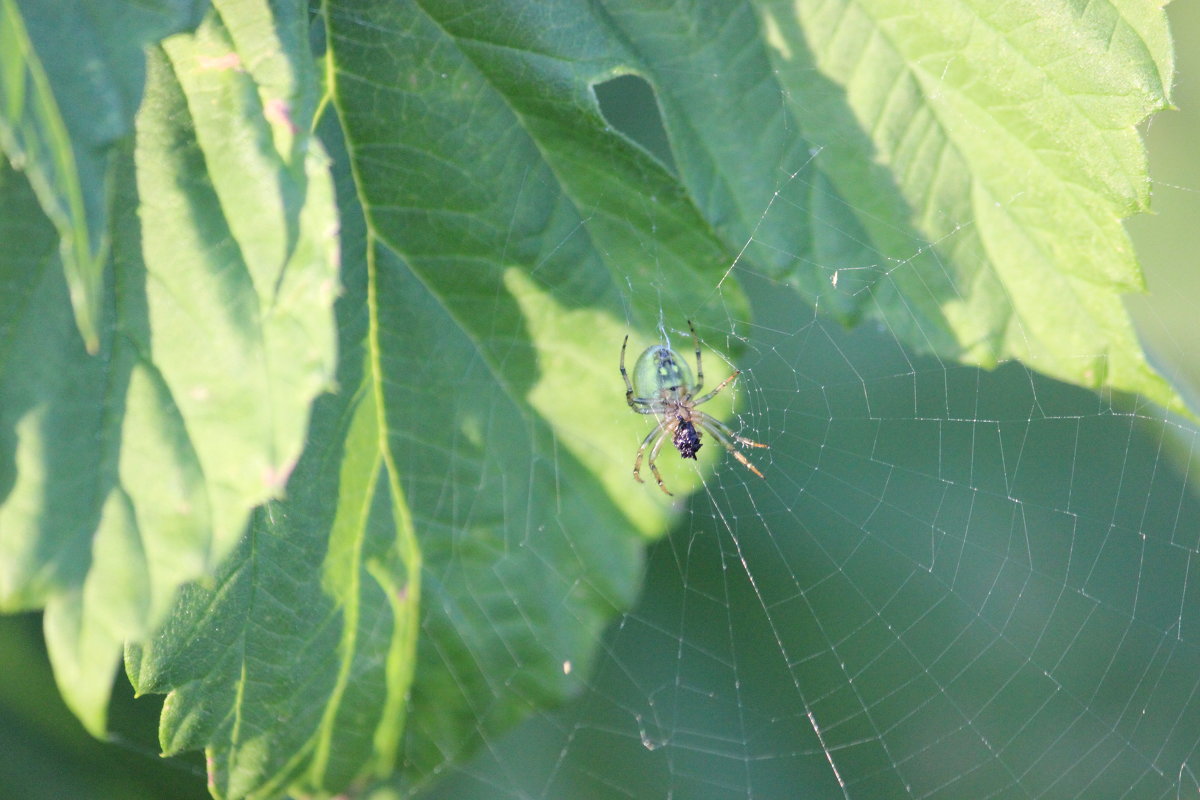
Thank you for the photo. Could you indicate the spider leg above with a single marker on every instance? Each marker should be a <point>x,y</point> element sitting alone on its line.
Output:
<point>658,431</point>
<point>715,425</point>
<point>720,386</point>
<point>644,405</point>
<point>723,434</point>
<point>699,365</point>
<point>654,455</point>
<point>629,398</point>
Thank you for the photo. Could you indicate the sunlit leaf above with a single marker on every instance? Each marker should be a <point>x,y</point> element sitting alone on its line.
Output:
<point>957,171</point>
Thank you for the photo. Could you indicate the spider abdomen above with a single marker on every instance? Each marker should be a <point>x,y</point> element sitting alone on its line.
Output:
<point>661,373</point>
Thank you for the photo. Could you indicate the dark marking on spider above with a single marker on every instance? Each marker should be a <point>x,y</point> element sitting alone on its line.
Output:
<point>687,438</point>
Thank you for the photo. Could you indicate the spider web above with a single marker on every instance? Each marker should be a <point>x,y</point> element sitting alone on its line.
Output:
<point>952,583</point>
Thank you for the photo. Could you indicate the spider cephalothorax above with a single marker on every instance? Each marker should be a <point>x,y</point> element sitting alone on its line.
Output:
<point>662,385</point>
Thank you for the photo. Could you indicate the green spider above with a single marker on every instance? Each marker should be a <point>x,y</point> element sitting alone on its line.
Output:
<point>671,397</point>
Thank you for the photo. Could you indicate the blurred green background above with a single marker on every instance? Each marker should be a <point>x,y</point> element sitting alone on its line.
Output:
<point>44,751</point>
<point>703,690</point>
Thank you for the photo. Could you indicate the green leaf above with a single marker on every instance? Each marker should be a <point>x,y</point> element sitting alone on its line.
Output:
<point>294,667</point>
<point>131,474</point>
<point>47,411</point>
<point>503,249</point>
<point>430,489</point>
<point>71,79</point>
<point>958,174</point>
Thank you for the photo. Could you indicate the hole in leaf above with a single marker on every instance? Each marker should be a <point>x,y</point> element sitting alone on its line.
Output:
<point>629,105</point>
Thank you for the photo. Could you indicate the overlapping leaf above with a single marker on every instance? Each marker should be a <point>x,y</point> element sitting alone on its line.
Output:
<point>131,473</point>
<point>69,86</point>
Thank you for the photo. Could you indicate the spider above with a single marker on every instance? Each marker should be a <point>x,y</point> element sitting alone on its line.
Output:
<point>662,385</point>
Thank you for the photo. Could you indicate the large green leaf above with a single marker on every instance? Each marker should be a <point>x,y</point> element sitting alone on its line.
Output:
<point>505,236</point>
<point>127,475</point>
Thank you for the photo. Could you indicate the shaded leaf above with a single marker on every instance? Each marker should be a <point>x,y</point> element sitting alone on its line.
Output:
<point>502,251</point>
